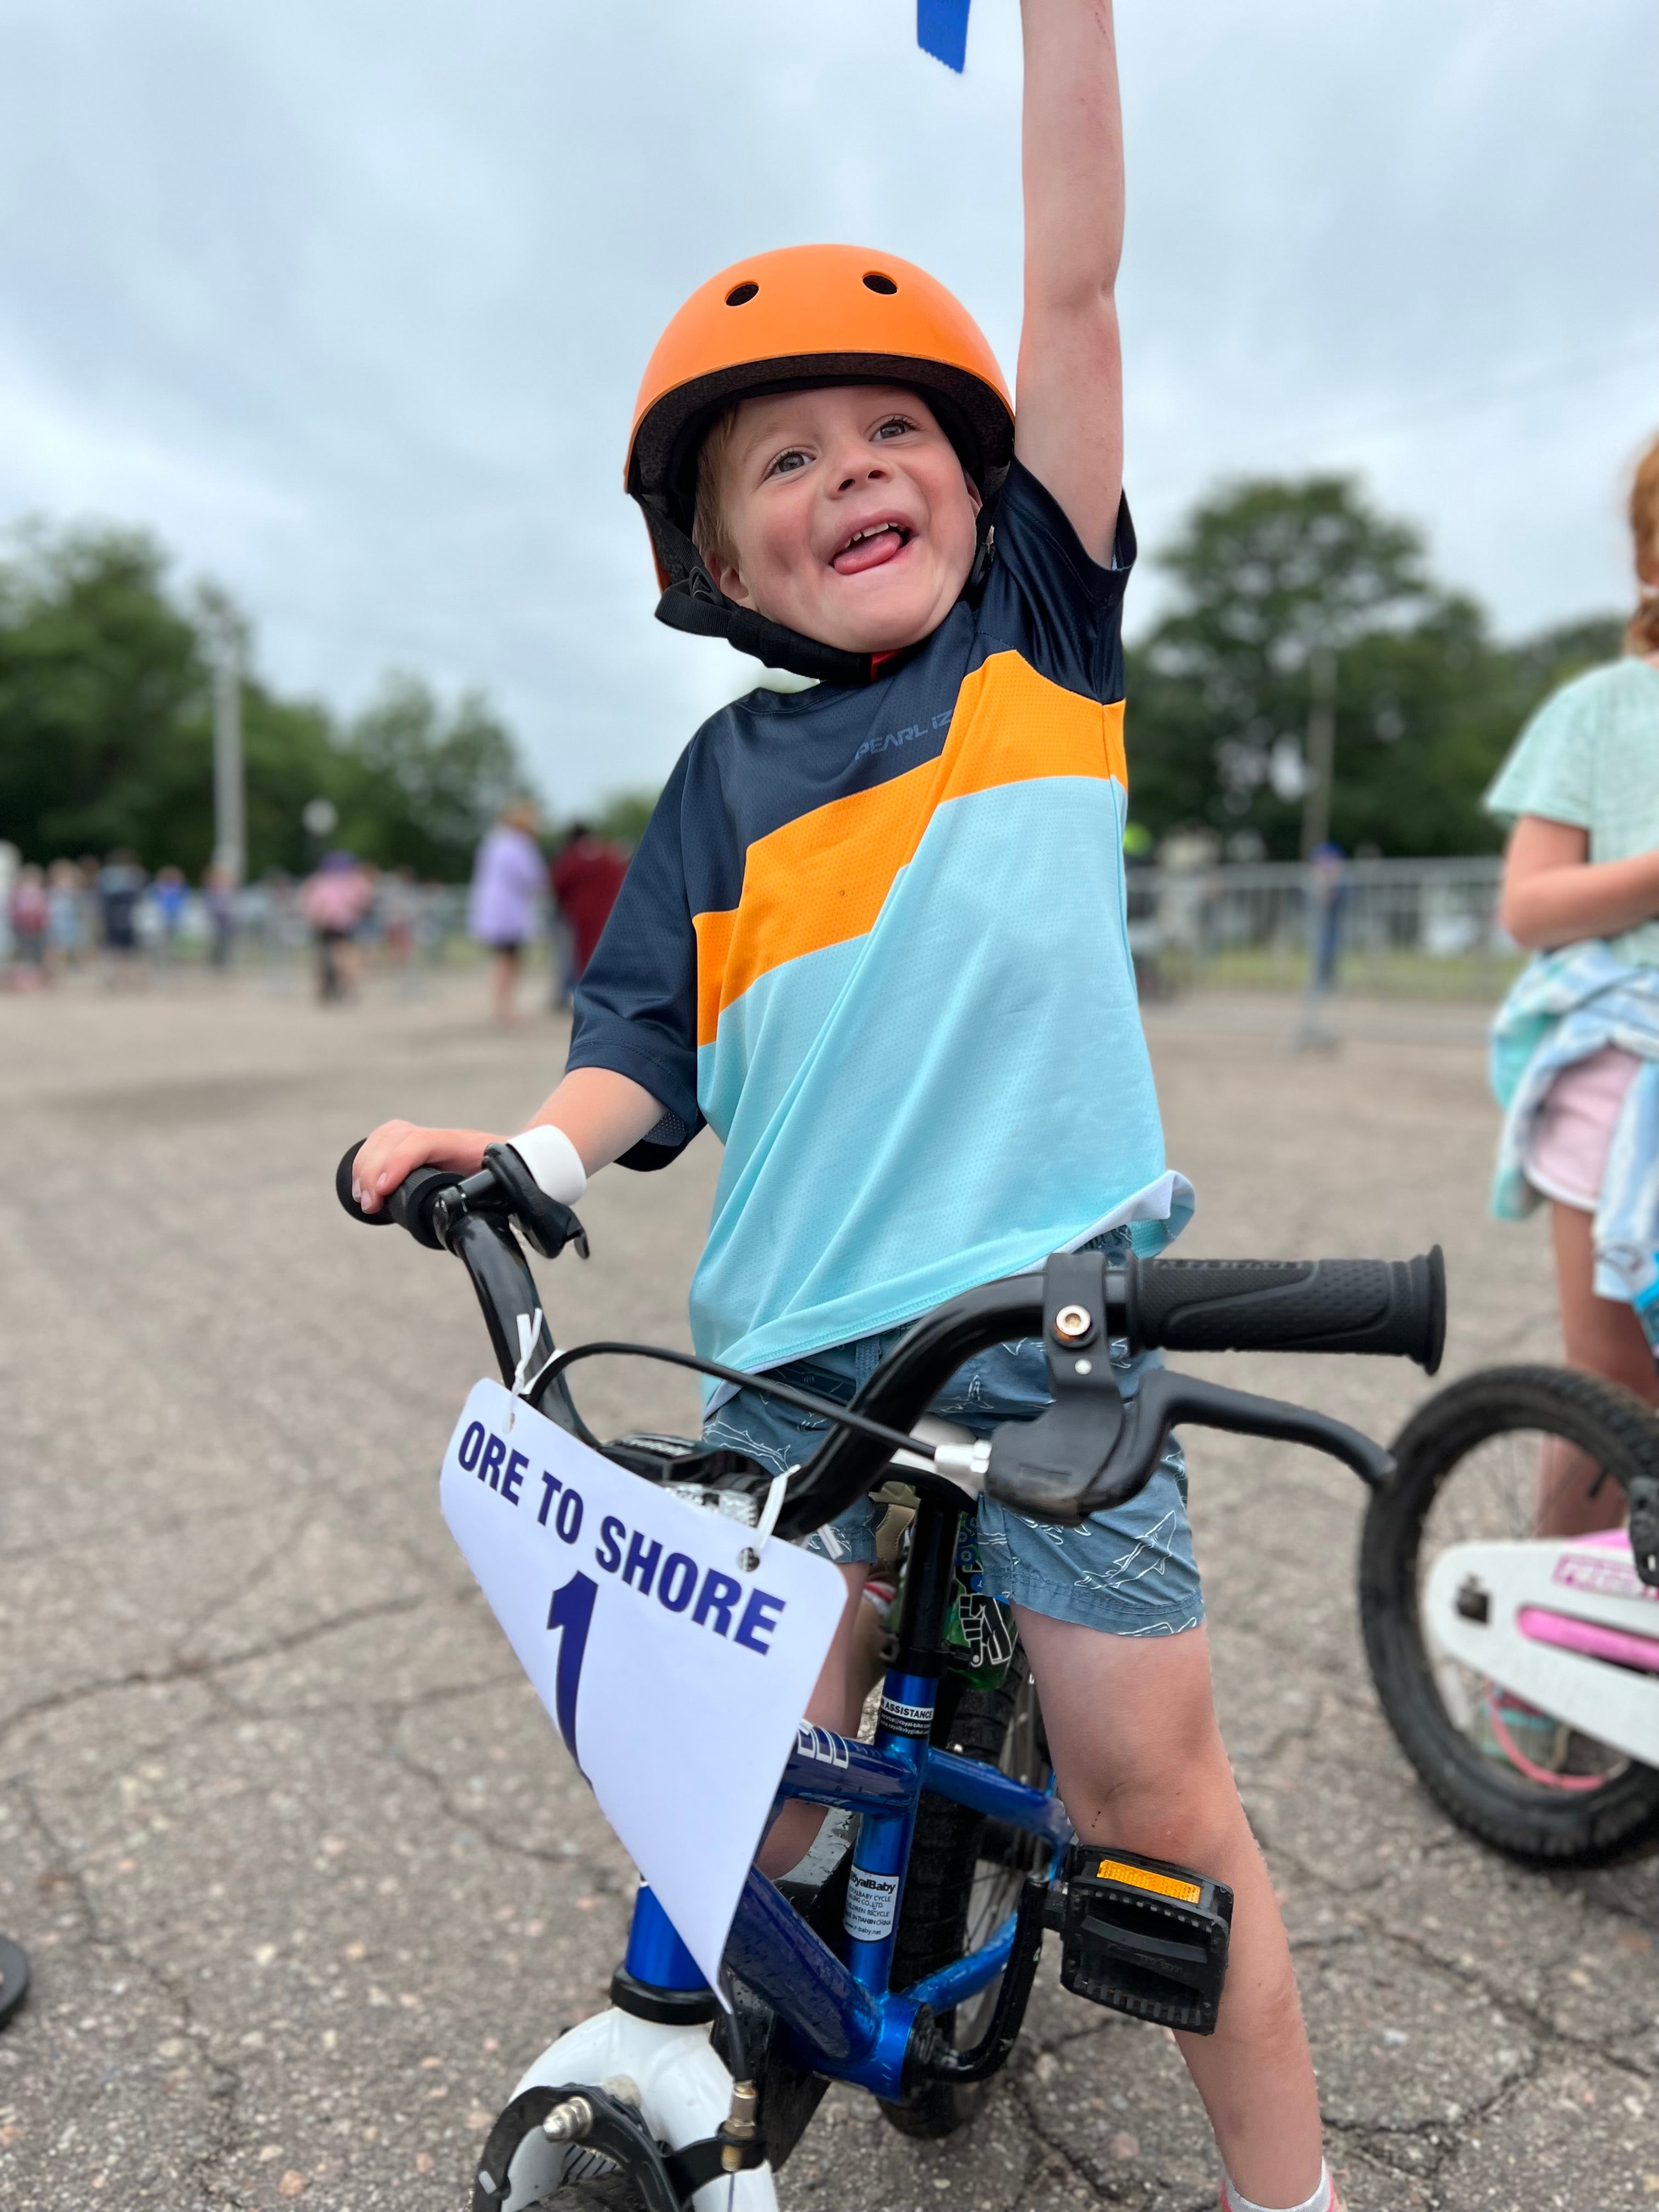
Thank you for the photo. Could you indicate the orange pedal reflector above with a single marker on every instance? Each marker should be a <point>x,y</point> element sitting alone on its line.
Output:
<point>1138,1877</point>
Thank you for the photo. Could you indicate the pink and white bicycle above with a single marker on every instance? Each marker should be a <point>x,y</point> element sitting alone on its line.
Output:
<point>1520,1670</point>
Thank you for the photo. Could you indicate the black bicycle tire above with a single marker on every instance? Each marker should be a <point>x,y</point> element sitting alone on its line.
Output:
<point>605,2192</point>
<point>609,2193</point>
<point>934,1912</point>
<point>13,1978</point>
<point>601,2192</point>
<point>1621,1430</point>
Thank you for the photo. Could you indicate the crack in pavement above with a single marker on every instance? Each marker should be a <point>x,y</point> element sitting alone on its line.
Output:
<point>203,1669</point>
<point>600,1876</point>
<point>223,2085</point>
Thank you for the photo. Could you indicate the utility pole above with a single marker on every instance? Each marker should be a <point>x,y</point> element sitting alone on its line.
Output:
<point>1312,1032</point>
<point>1322,749</point>
<point>229,795</point>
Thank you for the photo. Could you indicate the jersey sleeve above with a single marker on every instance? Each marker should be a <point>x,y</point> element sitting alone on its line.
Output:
<point>1047,600</point>
<point>1551,770</point>
<point>636,1002</point>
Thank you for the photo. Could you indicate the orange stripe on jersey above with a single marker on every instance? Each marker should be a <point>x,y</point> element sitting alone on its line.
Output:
<point>714,951</point>
<point>821,878</point>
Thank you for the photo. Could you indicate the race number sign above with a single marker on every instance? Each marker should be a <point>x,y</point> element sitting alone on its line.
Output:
<point>676,1671</point>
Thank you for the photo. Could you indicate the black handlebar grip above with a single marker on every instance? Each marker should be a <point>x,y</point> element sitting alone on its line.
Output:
<point>1396,1306</point>
<point>343,1189</point>
<point>408,1208</point>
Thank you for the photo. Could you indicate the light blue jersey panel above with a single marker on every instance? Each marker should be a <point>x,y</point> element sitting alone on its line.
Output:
<point>939,1102</point>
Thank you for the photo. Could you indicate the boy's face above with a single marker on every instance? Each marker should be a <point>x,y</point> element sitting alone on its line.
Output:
<point>848,515</point>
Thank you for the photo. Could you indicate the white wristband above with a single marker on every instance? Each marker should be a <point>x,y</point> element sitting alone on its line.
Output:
<point>553,1161</point>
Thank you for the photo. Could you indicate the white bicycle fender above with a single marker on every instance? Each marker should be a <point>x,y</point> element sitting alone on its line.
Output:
<point>684,2094</point>
<point>1617,1705</point>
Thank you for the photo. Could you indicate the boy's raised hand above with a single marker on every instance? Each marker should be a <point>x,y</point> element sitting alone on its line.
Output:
<point>1069,413</point>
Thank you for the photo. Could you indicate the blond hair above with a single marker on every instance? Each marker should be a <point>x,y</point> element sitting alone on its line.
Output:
<point>708,530</point>
<point>1641,634</point>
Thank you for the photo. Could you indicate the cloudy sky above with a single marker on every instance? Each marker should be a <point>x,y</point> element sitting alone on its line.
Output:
<point>348,300</point>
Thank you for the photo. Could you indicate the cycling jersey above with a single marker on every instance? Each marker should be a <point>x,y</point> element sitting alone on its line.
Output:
<point>875,937</point>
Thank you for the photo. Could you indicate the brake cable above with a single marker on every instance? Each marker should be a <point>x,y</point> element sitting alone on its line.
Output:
<point>803,1401</point>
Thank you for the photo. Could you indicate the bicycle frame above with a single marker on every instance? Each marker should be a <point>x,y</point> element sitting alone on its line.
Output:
<point>666,2103</point>
<point>844,2019</point>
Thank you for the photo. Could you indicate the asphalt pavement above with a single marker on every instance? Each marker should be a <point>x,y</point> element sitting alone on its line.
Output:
<point>304,1872</point>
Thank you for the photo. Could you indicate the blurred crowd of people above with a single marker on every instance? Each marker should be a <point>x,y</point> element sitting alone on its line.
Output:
<point>113,916</point>
<point>75,912</point>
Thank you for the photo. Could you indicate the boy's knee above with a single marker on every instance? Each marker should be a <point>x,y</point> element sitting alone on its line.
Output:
<point>1170,1797</point>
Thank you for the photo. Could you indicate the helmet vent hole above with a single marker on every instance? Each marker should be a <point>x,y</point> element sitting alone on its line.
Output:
<point>741,294</point>
<point>877,280</point>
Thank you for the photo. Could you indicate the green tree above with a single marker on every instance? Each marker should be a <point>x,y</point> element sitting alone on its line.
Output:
<point>106,728</point>
<point>102,693</point>
<point>419,786</point>
<point>1555,656</point>
<point>1267,574</point>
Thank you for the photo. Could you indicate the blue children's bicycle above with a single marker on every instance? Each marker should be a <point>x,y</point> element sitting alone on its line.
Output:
<point>900,1954</point>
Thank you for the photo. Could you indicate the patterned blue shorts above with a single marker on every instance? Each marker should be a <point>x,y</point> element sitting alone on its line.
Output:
<point>1130,1572</point>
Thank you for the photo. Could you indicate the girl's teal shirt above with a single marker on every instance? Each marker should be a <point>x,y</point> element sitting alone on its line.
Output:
<point>1589,757</point>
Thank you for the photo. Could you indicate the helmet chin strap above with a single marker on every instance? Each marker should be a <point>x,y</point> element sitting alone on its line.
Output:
<point>695,603</point>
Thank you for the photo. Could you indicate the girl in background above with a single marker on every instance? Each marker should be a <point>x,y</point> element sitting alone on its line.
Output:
<point>1576,1048</point>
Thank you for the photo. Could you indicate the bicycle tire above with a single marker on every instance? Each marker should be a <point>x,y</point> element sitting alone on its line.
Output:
<point>1621,1433</point>
<point>602,2192</point>
<point>597,2185</point>
<point>608,2192</point>
<point>13,1978</point>
<point>944,1853</point>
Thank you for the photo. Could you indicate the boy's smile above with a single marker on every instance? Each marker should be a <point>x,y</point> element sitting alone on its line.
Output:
<point>847,515</point>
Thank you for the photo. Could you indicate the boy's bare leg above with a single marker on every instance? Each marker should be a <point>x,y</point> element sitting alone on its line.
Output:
<point>835,1703</point>
<point>1140,1763</point>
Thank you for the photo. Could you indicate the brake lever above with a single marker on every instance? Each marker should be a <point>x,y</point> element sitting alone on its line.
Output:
<point>1093,1450</point>
<point>1046,1467</point>
<point>547,1225</point>
<point>1121,1452</point>
<point>1165,1399</point>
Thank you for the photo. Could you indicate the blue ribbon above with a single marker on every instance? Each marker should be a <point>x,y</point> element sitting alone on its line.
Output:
<point>942,31</point>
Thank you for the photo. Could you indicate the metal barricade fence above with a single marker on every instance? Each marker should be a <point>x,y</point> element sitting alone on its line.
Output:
<point>1404,928</point>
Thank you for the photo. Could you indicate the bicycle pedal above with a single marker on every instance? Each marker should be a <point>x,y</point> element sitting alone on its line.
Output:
<point>1143,1937</point>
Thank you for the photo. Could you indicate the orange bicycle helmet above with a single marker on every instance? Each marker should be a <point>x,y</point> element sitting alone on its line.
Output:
<point>807,314</point>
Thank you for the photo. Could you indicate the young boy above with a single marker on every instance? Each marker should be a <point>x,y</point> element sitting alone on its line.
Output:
<point>874,937</point>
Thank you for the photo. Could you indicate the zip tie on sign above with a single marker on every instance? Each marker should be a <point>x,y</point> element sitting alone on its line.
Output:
<point>772,1507</point>
<point>750,1556</point>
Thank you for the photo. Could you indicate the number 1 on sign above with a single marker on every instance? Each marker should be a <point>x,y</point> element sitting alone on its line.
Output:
<point>572,1614</point>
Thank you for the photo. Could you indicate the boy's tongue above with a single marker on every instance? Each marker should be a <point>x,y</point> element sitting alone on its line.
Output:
<point>868,553</point>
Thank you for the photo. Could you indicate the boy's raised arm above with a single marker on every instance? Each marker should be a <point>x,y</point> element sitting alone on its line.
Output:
<point>1069,402</point>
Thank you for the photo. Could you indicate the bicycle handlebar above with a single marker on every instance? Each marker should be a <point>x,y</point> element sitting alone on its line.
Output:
<point>1388,1307</point>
